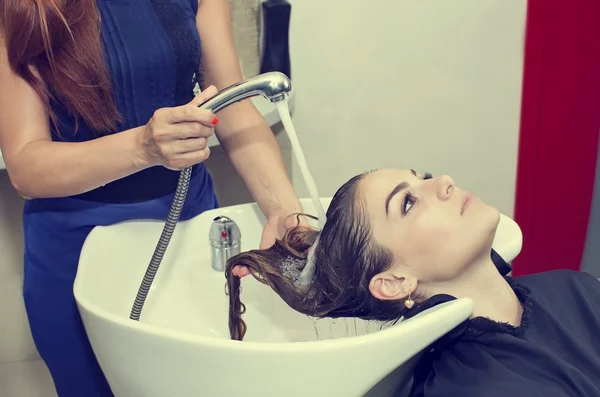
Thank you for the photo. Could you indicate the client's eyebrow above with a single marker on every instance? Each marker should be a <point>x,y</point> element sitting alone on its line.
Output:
<point>401,186</point>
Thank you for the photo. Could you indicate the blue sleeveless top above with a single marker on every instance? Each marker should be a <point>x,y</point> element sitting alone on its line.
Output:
<point>152,50</point>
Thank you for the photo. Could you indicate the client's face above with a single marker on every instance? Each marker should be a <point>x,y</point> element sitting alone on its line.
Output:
<point>432,228</point>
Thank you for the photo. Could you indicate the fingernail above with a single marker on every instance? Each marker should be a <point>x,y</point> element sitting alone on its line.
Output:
<point>215,120</point>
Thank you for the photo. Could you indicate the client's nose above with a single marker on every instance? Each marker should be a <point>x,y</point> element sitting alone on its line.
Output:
<point>445,187</point>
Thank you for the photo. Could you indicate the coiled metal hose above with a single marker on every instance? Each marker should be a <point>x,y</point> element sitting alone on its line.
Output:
<point>165,237</point>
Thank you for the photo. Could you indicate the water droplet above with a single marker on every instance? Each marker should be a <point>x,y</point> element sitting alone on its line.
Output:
<point>315,326</point>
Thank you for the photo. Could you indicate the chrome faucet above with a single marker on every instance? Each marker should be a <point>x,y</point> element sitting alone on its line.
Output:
<point>274,86</point>
<point>225,241</point>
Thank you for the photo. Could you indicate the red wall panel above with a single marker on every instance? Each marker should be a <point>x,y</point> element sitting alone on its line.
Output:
<point>560,124</point>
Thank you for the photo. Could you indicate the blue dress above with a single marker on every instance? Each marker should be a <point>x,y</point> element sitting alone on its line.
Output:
<point>152,50</point>
<point>554,352</point>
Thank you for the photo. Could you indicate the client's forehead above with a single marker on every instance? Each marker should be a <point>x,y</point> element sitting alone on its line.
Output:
<point>377,185</point>
<point>387,176</point>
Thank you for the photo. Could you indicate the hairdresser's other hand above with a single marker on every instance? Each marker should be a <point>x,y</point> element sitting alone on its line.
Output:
<point>277,225</point>
<point>275,228</point>
<point>176,138</point>
<point>240,271</point>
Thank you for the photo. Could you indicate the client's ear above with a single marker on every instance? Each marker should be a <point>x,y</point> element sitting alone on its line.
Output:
<point>387,286</point>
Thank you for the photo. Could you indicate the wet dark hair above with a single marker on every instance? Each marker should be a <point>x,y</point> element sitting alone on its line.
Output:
<point>346,260</point>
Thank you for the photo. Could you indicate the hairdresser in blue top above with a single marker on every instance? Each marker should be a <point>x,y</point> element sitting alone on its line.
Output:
<point>97,116</point>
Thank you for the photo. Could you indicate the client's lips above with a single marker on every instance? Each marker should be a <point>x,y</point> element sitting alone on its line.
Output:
<point>466,202</point>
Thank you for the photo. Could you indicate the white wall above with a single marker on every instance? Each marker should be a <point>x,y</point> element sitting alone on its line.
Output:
<point>433,85</point>
<point>15,340</point>
<point>22,372</point>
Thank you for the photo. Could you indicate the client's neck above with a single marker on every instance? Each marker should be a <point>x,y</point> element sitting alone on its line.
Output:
<point>492,296</point>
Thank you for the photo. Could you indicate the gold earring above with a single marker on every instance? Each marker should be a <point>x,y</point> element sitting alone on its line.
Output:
<point>409,303</point>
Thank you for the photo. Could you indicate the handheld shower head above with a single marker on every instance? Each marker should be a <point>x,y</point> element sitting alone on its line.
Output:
<point>274,86</point>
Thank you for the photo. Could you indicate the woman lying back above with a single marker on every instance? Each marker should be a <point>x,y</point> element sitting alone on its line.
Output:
<point>396,243</point>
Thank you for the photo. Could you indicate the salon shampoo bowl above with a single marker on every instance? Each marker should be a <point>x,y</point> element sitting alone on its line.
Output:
<point>181,346</point>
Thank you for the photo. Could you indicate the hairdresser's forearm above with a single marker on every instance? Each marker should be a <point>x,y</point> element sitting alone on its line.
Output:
<point>260,165</point>
<point>256,156</point>
<point>57,169</point>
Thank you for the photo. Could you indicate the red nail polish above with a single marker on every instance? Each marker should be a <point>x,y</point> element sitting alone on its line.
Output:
<point>215,120</point>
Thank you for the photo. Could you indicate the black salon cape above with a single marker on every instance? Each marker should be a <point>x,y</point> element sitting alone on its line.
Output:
<point>555,352</point>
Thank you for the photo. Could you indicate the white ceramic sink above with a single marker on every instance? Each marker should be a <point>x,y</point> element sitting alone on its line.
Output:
<point>181,345</point>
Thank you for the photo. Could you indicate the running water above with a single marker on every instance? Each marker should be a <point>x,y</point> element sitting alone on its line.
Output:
<point>284,114</point>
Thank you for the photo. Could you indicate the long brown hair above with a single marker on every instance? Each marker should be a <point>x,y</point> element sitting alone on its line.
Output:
<point>346,259</point>
<point>54,45</point>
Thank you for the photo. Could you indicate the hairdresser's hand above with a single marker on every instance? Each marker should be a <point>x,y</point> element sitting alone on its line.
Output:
<point>275,228</point>
<point>278,224</point>
<point>176,138</point>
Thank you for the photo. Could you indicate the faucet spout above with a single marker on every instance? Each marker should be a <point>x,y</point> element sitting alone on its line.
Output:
<point>274,86</point>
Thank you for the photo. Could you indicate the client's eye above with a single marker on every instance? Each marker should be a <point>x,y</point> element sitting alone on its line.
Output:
<point>408,202</point>
<point>427,175</point>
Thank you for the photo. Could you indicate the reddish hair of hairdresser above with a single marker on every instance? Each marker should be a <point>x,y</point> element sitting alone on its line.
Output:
<point>55,46</point>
